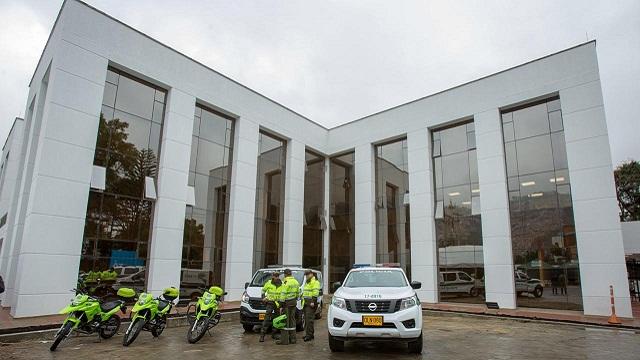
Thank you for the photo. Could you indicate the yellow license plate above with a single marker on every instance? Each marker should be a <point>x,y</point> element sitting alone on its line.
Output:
<point>261,316</point>
<point>372,320</point>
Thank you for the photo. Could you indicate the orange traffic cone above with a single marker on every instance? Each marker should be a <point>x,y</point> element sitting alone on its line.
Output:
<point>613,319</point>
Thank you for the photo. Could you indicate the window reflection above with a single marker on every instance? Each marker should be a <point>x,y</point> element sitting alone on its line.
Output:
<point>205,228</point>
<point>118,220</point>
<point>393,241</point>
<point>267,248</point>
<point>314,218</point>
<point>541,212</point>
<point>341,222</point>
<point>457,215</point>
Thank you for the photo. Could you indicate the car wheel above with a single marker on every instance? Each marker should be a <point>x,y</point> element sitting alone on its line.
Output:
<point>415,347</point>
<point>537,292</point>
<point>474,292</point>
<point>247,327</point>
<point>335,345</point>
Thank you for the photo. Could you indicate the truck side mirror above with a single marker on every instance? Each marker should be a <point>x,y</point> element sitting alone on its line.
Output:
<point>336,285</point>
<point>246,285</point>
<point>416,285</point>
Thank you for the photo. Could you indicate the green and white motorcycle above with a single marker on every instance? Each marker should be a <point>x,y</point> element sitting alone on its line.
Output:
<point>150,314</point>
<point>88,314</point>
<point>204,315</point>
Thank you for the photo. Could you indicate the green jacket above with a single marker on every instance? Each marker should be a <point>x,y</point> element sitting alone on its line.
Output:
<point>271,291</point>
<point>290,289</point>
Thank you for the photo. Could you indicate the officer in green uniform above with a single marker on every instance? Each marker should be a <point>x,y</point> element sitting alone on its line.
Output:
<point>289,295</point>
<point>270,295</point>
<point>310,293</point>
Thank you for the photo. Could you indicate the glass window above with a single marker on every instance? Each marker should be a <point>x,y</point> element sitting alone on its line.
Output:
<point>314,217</point>
<point>393,242</point>
<point>534,154</point>
<point>269,201</point>
<point>531,121</point>
<point>542,226</point>
<point>342,220</point>
<point>118,221</point>
<point>457,216</point>
<point>205,227</point>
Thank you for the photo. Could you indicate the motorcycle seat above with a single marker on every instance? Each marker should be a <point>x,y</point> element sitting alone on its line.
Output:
<point>162,304</point>
<point>108,306</point>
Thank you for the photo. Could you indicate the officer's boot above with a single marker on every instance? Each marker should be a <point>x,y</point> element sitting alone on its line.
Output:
<point>262,337</point>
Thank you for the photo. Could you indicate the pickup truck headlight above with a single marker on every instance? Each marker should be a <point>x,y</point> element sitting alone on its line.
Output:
<point>409,302</point>
<point>245,297</point>
<point>339,302</point>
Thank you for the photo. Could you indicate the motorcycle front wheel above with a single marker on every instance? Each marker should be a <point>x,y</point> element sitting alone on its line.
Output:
<point>133,331</point>
<point>197,330</point>
<point>65,330</point>
<point>110,327</point>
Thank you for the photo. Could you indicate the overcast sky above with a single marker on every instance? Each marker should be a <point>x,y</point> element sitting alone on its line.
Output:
<point>335,61</point>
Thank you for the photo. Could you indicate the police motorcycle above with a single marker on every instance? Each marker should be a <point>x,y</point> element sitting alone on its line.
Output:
<point>204,315</point>
<point>88,314</point>
<point>150,314</point>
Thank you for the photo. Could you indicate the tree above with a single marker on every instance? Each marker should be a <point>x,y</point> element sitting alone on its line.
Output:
<point>627,177</point>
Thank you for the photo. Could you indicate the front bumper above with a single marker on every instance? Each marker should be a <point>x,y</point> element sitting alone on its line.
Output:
<point>394,328</point>
<point>250,316</point>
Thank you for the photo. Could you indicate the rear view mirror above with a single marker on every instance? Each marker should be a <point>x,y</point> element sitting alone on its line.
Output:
<point>336,285</point>
<point>416,285</point>
<point>246,285</point>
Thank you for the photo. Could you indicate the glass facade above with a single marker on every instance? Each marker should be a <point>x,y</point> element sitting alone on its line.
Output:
<point>267,247</point>
<point>542,226</point>
<point>314,217</point>
<point>205,223</point>
<point>457,214</point>
<point>342,216</point>
<point>393,240</point>
<point>118,221</point>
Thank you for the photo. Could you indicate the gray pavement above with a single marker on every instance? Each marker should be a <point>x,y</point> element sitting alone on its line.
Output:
<point>447,336</point>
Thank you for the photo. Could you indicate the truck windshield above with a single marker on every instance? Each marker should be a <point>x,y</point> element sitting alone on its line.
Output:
<point>262,276</point>
<point>375,278</point>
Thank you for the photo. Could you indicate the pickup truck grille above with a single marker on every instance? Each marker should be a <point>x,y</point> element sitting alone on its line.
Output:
<point>367,306</point>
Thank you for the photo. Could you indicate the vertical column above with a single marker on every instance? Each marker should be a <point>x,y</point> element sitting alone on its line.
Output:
<point>326,232</point>
<point>365,220</point>
<point>595,208</point>
<point>424,247</point>
<point>165,255</point>
<point>55,186</point>
<point>242,208</point>
<point>293,203</point>
<point>494,207</point>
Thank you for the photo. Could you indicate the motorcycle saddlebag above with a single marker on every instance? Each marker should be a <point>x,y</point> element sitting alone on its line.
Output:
<point>171,293</point>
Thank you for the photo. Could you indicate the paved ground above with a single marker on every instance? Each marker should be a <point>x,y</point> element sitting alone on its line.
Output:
<point>447,336</point>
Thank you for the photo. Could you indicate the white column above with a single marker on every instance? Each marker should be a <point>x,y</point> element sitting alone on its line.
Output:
<point>239,262</point>
<point>424,247</point>
<point>293,204</point>
<point>55,185</point>
<point>494,207</point>
<point>365,220</point>
<point>165,255</point>
<point>326,232</point>
<point>595,208</point>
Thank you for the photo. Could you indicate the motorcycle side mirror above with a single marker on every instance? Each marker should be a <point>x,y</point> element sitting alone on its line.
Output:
<point>336,285</point>
<point>416,285</point>
<point>246,285</point>
<point>225,293</point>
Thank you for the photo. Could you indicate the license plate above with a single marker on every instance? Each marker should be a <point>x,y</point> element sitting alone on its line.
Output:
<point>261,316</point>
<point>372,320</point>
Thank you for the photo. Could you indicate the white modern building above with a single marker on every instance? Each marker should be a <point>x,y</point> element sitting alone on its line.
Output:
<point>137,158</point>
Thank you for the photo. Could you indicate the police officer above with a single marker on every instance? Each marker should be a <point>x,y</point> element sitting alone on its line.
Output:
<point>289,295</point>
<point>310,293</point>
<point>270,295</point>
